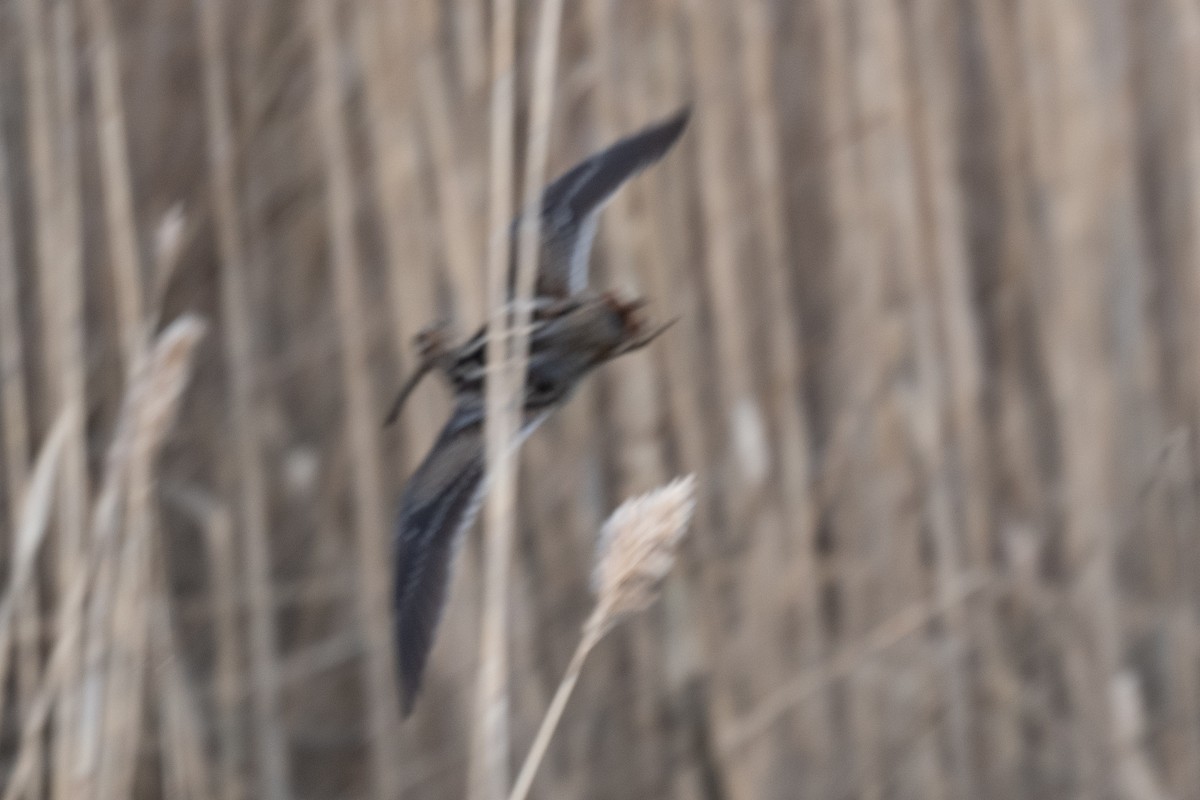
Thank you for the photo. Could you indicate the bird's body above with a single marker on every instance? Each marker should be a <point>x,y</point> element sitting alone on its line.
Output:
<point>572,332</point>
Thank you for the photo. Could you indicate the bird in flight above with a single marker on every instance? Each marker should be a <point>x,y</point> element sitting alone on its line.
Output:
<point>573,331</point>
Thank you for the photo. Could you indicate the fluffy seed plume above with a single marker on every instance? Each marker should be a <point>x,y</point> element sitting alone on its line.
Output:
<point>636,550</point>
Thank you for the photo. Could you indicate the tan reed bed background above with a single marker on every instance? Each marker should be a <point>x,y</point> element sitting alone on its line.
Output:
<point>937,266</point>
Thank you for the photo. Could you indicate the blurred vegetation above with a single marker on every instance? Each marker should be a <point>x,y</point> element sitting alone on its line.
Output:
<point>937,370</point>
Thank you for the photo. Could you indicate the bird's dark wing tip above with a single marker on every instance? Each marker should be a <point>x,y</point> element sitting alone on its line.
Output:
<point>675,124</point>
<point>653,142</point>
<point>408,699</point>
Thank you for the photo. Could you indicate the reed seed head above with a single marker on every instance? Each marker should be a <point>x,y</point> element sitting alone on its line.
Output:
<point>636,550</point>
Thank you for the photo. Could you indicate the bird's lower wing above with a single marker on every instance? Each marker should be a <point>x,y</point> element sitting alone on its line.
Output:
<point>439,504</point>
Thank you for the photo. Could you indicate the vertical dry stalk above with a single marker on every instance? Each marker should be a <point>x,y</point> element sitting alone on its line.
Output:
<point>459,234</point>
<point>69,282</point>
<point>124,260</point>
<point>270,739</point>
<point>28,762</point>
<point>1189,79</point>
<point>12,357</point>
<point>391,91</point>
<point>100,757</point>
<point>379,677</point>
<point>29,533</point>
<point>794,472</point>
<point>1069,153</point>
<point>39,136</point>
<point>915,250</point>
<point>635,551</point>
<point>490,748</point>
<point>746,440</point>
<point>149,407</point>
<point>126,677</point>
<point>507,355</point>
<point>155,392</point>
<point>34,504</point>
<point>185,767</point>
<point>15,423</point>
<point>214,519</point>
<point>220,541</point>
<point>845,204</point>
<point>635,411</point>
<point>53,146</point>
<point>1188,639</point>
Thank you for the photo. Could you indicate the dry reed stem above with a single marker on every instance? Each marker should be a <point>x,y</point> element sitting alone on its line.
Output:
<point>51,138</point>
<point>947,268</point>
<point>95,762</point>
<point>147,412</point>
<point>471,46</point>
<point>793,481</point>
<point>215,521</point>
<point>1189,79</point>
<point>36,506</point>
<point>489,773</point>
<point>507,349</point>
<point>549,724</point>
<point>915,250</point>
<point>15,426</point>
<point>744,451</point>
<point>274,779</point>
<point>28,763</point>
<point>1188,100</point>
<point>392,98</point>
<point>635,410</point>
<point>124,258</point>
<point>219,538</point>
<point>745,436</point>
<point>1089,141</point>
<point>155,392</point>
<point>12,358</point>
<point>635,550</point>
<point>460,235</point>
<point>371,528</point>
<point>94,619</point>
<point>845,205</point>
<point>68,281</point>
<point>181,728</point>
<point>92,622</point>
<point>753,724</point>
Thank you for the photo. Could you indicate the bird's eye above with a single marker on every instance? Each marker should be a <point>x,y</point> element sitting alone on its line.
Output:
<point>542,388</point>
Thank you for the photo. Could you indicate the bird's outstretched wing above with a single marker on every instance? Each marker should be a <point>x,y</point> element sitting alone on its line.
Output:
<point>440,502</point>
<point>570,340</point>
<point>570,210</point>
<point>572,203</point>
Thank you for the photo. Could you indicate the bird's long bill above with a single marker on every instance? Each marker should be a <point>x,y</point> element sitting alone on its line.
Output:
<point>405,390</point>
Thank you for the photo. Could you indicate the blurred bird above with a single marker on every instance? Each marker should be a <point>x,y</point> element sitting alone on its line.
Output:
<point>571,207</point>
<point>441,500</point>
<point>572,333</point>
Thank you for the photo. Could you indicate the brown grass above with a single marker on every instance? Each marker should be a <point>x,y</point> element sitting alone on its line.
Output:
<point>937,369</point>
